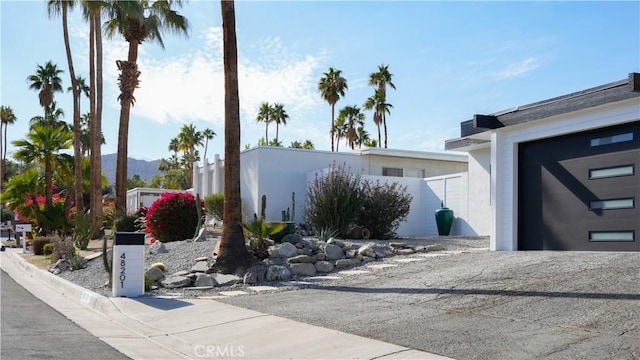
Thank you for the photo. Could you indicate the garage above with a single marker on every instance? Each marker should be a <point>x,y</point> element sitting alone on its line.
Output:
<point>581,191</point>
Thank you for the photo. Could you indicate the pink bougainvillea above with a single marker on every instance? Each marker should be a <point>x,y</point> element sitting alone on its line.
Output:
<point>173,217</point>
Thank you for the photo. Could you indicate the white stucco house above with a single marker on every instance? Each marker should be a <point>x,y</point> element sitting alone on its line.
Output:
<point>278,172</point>
<point>561,174</point>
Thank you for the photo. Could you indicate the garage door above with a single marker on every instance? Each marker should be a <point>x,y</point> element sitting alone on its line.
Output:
<point>581,192</point>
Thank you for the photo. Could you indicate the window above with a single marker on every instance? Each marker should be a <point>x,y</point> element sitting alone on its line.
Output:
<point>624,170</point>
<point>606,140</point>
<point>391,172</point>
<point>596,236</point>
<point>414,173</point>
<point>612,204</point>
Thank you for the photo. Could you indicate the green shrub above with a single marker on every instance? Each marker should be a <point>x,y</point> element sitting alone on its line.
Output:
<point>6,215</point>
<point>47,249</point>
<point>78,262</point>
<point>173,217</point>
<point>38,244</point>
<point>214,204</point>
<point>125,223</point>
<point>62,248</point>
<point>384,207</point>
<point>333,200</point>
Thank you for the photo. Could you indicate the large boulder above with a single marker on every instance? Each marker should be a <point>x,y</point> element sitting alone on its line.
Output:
<point>346,262</point>
<point>323,266</point>
<point>225,279</point>
<point>255,275</point>
<point>157,248</point>
<point>368,250</point>
<point>205,280</point>
<point>284,250</point>
<point>303,269</point>
<point>333,252</point>
<point>154,274</point>
<point>300,259</point>
<point>173,282</point>
<point>278,273</point>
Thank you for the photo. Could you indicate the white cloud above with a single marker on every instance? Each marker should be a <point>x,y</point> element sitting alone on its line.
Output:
<point>517,69</point>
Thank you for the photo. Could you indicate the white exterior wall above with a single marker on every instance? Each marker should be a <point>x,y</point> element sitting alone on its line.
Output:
<point>504,159</point>
<point>144,196</point>
<point>479,191</point>
<point>375,163</point>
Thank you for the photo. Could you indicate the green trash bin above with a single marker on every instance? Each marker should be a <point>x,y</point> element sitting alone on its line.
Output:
<point>444,220</point>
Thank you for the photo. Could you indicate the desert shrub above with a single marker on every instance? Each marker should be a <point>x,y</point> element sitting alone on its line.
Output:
<point>384,207</point>
<point>47,249</point>
<point>125,222</point>
<point>214,204</point>
<point>62,248</point>
<point>333,200</point>
<point>173,217</point>
<point>83,230</point>
<point>38,244</point>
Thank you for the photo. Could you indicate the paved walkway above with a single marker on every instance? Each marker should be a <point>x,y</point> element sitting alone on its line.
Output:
<point>165,328</point>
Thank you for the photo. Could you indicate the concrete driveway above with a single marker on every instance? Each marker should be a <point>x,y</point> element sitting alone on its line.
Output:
<point>481,304</point>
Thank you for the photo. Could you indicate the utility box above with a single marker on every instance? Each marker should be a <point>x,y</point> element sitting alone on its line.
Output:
<point>128,264</point>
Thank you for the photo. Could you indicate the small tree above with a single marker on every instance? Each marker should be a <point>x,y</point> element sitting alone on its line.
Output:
<point>384,207</point>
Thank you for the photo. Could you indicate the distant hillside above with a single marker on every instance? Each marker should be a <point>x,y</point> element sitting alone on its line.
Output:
<point>146,169</point>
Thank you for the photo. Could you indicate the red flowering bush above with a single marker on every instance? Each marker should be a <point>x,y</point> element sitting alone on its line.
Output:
<point>173,217</point>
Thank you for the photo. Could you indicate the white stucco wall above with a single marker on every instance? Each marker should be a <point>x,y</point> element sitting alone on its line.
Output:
<point>504,159</point>
<point>479,190</point>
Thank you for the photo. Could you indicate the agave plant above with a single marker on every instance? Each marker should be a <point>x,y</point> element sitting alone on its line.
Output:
<point>259,231</point>
<point>325,234</point>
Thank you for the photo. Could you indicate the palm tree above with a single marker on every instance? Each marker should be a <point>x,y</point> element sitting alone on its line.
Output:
<point>381,79</point>
<point>233,256</point>
<point>307,144</point>
<point>332,86</point>
<point>173,146</point>
<point>279,116</point>
<point>380,107</point>
<point>208,134</point>
<point>353,117</point>
<point>47,81</point>
<point>7,117</point>
<point>61,7</point>
<point>362,136</point>
<point>42,146</point>
<point>264,115</point>
<point>188,140</point>
<point>137,21</point>
<point>53,117</point>
<point>339,129</point>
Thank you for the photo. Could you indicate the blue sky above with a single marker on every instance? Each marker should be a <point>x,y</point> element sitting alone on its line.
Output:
<point>450,60</point>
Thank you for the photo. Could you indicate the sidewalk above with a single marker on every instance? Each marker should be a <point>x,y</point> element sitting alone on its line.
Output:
<point>157,328</point>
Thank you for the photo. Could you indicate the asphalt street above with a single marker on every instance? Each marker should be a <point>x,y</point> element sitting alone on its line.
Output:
<point>32,329</point>
<point>482,305</point>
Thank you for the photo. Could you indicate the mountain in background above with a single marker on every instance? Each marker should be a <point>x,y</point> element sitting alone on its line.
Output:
<point>146,169</point>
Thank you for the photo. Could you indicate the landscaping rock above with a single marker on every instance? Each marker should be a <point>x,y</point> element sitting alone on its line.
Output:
<point>405,251</point>
<point>225,279</point>
<point>305,251</point>
<point>157,248</point>
<point>336,242</point>
<point>205,280</point>
<point>350,254</point>
<point>303,269</point>
<point>398,245</point>
<point>368,250</point>
<point>284,250</point>
<point>201,258</point>
<point>429,248</point>
<point>200,266</point>
<point>174,282</point>
<point>181,273</point>
<point>154,274</point>
<point>333,252</point>
<point>319,257</point>
<point>382,252</point>
<point>292,238</point>
<point>346,262</point>
<point>255,275</point>
<point>274,261</point>
<point>324,266</point>
<point>278,273</point>
<point>366,259</point>
<point>300,259</point>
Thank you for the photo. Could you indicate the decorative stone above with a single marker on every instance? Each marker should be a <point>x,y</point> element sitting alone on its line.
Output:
<point>225,279</point>
<point>278,272</point>
<point>382,252</point>
<point>324,266</point>
<point>346,262</point>
<point>205,280</point>
<point>284,250</point>
<point>201,258</point>
<point>181,273</point>
<point>350,254</point>
<point>200,266</point>
<point>157,248</point>
<point>367,259</point>
<point>367,250</point>
<point>300,259</point>
<point>173,282</point>
<point>303,269</point>
<point>154,274</point>
<point>319,257</point>
<point>255,275</point>
<point>298,245</point>
<point>333,252</point>
<point>305,251</point>
<point>292,238</point>
<point>336,242</point>
<point>398,245</point>
<point>274,261</point>
<point>405,251</point>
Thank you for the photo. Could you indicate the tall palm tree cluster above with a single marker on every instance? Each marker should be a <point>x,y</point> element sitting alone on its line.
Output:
<point>272,113</point>
<point>137,21</point>
<point>350,122</point>
<point>186,142</point>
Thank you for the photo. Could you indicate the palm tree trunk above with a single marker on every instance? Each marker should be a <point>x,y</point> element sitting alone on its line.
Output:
<point>384,122</point>
<point>266,131</point>
<point>333,124</point>
<point>233,256</point>
<point>123,136</point>
<point>95,196</point>
<point>379,138</point>
<point>277,129</point>
<point>77,156</point>
<point>96,165</point>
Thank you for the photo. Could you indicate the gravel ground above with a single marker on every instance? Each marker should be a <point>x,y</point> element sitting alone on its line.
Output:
<point>181,255</point>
